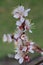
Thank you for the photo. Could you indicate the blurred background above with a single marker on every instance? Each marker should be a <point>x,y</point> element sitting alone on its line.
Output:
<point>7,22</point>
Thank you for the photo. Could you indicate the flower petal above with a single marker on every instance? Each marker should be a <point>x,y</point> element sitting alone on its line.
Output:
<point>28,10</point>
<point>27,22</point>
<point>17,56</point>
<point>9,39</point>
<point>31,51</point>
<point>18,23</point>
<point>16,16</point>
<point>24,48</point>
<point>22,19</point>
<point>25,14</point>
<point>21,60</point>
<point>31,43</point>
<point>41,53</point>
<point>19,42</point>
<point>27,58</point>
<point>4,38</point>
<point>16,36</point>
<point>21,8</point>
<point>30,31</point>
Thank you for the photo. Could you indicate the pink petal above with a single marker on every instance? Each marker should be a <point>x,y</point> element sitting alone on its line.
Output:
<point>26,58</point>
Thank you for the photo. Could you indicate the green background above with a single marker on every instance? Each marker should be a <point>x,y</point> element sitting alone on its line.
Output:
<point>7,22</point>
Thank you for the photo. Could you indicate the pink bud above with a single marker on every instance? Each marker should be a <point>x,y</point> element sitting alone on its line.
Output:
<point>26,58</point>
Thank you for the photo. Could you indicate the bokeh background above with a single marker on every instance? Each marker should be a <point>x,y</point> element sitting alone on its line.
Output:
<point>7,22</point>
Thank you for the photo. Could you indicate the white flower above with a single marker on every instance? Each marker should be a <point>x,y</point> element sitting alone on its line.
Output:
<point>19,22</point>
<point>18,33</point>
<point>9,39</point>
<point>26,12</point>
<point>24,37</point>
<point>21,60</point>
<point>4,38</point>
<point>19,57</point>
<point>22,19</point>
<point>20,12</point>
<point>24,48</point>
<point>19,43</point>
<point>28,25</point>
<point>31,49</point>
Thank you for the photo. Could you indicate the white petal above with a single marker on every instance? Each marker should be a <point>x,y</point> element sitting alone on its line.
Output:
<point>21,8</point>
<point>24,49</point>
<point>9,39</point>
<point>30,31</point>
<point>19,42</point>
<point>18,23</point>
<point>41,53</point>
<point>31,46</point>
<point>25,14</point>
<point>21,60</point>
<point>27,22</point>
<point>28,10</point>
<point>17,35</point>
<point>31,51</point>
<point>17,56</point>
<point>4,38</point>
<point>22,20</point>
<point>31,43</point>
<point>16,16</point>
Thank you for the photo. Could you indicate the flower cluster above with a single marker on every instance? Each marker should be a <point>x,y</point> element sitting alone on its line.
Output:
<point>23,45</point>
